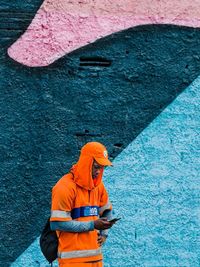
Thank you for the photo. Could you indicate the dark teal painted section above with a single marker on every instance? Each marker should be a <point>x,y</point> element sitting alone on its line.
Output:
<point>47,114</point>
<point>20,7</point>
<point>15,17</point>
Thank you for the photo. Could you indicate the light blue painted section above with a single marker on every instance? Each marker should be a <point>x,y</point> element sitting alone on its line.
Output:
<point>155,187</point>
<point>32,257</point>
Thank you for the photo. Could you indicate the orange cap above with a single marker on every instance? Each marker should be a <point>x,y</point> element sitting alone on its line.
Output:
<point>98,152</point>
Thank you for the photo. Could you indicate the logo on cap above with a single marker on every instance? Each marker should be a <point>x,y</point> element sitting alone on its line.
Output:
<point>105,153</point>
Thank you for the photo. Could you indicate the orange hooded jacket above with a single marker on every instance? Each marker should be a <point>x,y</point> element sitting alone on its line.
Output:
<point>77,197</point>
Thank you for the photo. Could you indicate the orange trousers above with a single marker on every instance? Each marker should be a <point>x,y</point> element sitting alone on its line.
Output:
<point>80,264</point>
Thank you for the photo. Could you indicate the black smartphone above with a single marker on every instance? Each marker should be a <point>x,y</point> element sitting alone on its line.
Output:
<point>114,220</point>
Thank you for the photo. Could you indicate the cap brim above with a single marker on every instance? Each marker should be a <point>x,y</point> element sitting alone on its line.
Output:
<point>104,162</point>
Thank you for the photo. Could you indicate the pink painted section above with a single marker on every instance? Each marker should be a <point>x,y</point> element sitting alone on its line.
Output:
<point>61,26</point>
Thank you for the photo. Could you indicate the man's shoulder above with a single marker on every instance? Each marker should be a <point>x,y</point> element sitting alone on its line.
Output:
<point>66,181</point>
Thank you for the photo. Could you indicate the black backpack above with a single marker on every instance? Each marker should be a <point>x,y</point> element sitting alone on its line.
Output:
<point>49,243</point>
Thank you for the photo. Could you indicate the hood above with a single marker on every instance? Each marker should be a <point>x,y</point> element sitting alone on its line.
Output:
<point>82,170</point>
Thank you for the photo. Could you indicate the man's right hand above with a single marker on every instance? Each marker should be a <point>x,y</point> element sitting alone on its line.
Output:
<point>102,224</point>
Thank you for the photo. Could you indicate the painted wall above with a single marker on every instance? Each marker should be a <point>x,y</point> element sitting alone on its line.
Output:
<point>154,188</point>
<point>109,91</point>
<point>61,26</point>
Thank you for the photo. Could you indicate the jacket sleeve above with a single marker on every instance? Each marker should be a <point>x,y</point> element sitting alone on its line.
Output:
<point>72,226</point>
<point>106,214</point>
<point>62,203</point>
<point>105,204</point>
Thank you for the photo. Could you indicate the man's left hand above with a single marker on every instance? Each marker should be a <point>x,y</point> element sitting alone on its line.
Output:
<point>101,240</point>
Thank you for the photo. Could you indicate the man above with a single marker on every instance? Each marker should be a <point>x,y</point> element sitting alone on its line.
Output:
<point>81,209</point>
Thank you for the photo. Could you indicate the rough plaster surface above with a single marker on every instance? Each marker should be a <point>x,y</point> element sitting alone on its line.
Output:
<point>48,113</point>
<point>108,91</point>
<point>61,26</point>
<point>154,187</point>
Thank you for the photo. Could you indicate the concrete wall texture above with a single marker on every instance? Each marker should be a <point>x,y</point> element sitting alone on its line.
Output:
<point>133,85</point>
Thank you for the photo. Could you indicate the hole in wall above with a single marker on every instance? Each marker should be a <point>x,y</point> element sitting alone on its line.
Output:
<point>118,145</point>
<point>87,133</point>
<point>95,62</point>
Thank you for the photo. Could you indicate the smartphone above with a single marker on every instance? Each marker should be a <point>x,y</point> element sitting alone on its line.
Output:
<point>114,220</point>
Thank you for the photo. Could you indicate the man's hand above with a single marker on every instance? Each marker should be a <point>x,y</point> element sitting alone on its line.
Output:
<point>101,240</point>
<point>102,224</point>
